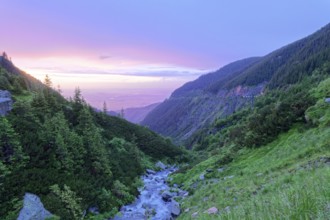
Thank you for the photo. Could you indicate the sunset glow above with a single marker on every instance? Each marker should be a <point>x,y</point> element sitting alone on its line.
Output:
<point>122,48</point>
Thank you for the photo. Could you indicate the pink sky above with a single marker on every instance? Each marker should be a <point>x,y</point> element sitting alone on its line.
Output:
<point>134,53</point>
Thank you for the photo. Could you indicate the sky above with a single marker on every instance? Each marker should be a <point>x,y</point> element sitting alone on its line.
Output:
<point>131,53</point>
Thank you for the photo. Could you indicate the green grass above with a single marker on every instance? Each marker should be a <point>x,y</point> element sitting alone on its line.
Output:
<point>288,178</point>
<point>285,179</point>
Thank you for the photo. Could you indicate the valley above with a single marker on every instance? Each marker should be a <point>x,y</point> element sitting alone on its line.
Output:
<point>242,138</point>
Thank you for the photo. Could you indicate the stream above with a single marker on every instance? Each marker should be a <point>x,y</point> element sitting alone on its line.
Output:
<point>156,200</point>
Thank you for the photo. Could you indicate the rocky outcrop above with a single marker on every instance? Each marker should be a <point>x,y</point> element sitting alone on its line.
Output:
<point>6,102</point>
<point>33,209</point>
<point>180,117</point>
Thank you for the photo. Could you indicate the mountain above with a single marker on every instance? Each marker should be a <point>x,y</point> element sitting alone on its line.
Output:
<point>13,75</point>
<point>272,155</point>
<point>68,154</point>
<point>136,115</point>
<point>197,104</point>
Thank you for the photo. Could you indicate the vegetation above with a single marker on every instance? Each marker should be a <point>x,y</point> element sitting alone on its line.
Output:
<point>267,162</point>
<point>70,155</point>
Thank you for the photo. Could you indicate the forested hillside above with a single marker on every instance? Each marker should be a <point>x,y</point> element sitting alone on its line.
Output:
<point>71,156</point>
<point>267,162</point>
<point>231,89</point>
<point>270,159</point>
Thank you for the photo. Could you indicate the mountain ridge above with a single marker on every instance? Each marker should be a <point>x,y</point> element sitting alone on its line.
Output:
<point>283,67</point>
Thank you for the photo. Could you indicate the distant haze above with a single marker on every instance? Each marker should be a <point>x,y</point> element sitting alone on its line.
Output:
<point>134,53</point>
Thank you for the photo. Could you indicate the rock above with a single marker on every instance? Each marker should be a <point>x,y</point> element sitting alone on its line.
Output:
<point>6,102</point>
<point>228,177</point>
<point>160,165</point>
<point>227,209</point>
<point>94,210</point>
<point>212,211</point>
<point>183,193</point>
<point>205,199</point>
<point>194,215</point>
<point>220,170</point>
<point>209,170</point>
<point>150,212</point>
<point>327,100</point>
<point>152,172</point>
<point>201,177</point>
<point>33,208</point>
<point>187,210</point>
<point>166,196</point>
<point>175,185</point>
<point>174,208</point>
<point>259,174</point>
<point>194,185</point>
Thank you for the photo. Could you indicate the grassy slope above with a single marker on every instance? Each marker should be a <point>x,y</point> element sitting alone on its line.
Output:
<point>286,179</point>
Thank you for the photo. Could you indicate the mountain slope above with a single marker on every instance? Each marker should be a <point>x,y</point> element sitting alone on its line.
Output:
<point>204,81</point>
<point>136,115</point>
<point>192,106</point>
<point>197,104</point>
<point>70,155</point>
<point>245,179</point>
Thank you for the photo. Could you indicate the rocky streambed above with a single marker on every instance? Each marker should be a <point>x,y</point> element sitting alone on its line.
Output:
<point>157,201</point>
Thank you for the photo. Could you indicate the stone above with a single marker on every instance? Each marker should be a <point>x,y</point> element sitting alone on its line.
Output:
<point>194,185</point>
<point>160,165</point>
<point>259,174</point>
<point>227,209</point>
<point>220,170</point>
<point>212,211</point>
<point>152,172</point>
<point>94,210</point>
<point>202,177</point>
<point>194,215</point>
<point>6,102</point>
<point>33,208</point>
<point>209,170</point>
<point>166,196</point>
<point>183,193</point>
<point>327,100</point>
<point>187,210</point>
<point>228,177</point>
<point>174,208</point>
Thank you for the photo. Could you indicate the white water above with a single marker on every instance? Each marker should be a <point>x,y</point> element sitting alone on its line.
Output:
<point>150,199</point>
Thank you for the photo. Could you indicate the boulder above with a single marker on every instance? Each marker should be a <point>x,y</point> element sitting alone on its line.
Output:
<point>212,211</point>
<point>160,165</point>
<point>6,102</point>
<point>183,193</point>
<point>152,172</point>
<point>194,215</point>
<point>228,177</point>
<point>166,196</point>
<point>33,208</point>
<point>174,208</point>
